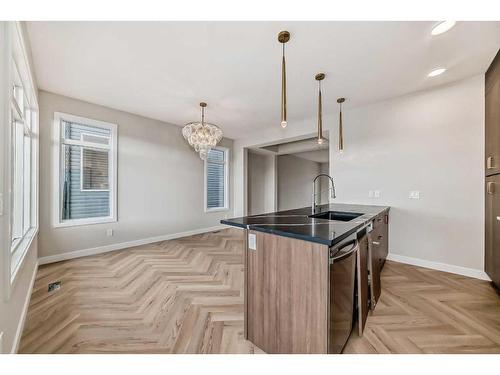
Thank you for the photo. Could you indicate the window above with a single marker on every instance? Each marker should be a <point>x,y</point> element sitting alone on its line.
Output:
<point>21,141</point>
<point>216,180</point>
<point>86,170</point>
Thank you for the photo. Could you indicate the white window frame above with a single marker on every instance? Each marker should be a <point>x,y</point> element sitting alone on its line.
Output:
<point>15,63</point>
<point>57,168</point>
<point>226,182</point>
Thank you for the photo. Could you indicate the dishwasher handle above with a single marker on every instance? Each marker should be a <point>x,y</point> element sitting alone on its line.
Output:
<point>345,251</point>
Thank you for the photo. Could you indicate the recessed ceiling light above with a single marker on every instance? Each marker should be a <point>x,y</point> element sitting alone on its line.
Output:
<point>442,27</point>
<point>436,72</point>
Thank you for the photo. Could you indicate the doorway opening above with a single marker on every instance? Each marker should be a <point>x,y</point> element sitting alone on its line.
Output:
<point>280,176</point>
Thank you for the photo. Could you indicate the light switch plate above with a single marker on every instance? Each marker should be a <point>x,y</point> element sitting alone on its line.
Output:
<point>414,194</point>
<point>252,241</point>
<point>1,204</point>
<point>1,342</point>
<point>109,232</point>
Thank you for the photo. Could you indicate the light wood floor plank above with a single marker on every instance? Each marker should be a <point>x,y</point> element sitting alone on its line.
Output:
<point>186,296</point>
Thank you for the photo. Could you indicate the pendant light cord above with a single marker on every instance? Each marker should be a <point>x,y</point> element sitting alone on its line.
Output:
<point>283,85</point>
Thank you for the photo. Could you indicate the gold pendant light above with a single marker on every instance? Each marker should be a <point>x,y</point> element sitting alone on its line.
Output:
<point>283,37</point>
<point>341,132</point>
<point>319,77</point>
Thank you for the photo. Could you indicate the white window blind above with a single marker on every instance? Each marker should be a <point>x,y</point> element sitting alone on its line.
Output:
<point>216,169</point>
<point>95,169</point>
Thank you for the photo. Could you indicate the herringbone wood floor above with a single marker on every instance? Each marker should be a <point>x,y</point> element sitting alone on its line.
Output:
<point>185,296</point>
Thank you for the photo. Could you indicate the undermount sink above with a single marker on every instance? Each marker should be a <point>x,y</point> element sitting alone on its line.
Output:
<point>336,215</point>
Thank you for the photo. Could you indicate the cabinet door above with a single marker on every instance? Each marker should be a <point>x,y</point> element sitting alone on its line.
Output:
<point>492,229</point>
<point>492,118</point>
<point>362,278</point>
<point>375,286</point>
<point>385,238</point>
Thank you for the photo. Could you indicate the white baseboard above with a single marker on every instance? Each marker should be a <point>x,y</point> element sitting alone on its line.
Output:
<point>470,272</point>
<point>123,245</point>
<point>20,326</point>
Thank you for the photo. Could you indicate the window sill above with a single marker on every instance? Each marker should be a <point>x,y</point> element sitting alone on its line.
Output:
<point>18,256</point>
<point>221,209</point>
<point>79,222</point>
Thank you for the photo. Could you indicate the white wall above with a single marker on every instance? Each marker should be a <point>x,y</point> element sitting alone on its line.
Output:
<point>160,181</point>
<point>324,185</point>
<point>295,176</point>
<point>261,183</point>
<point>432,141</point>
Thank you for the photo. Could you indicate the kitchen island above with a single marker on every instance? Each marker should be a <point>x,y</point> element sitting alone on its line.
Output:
<point>303,271</point>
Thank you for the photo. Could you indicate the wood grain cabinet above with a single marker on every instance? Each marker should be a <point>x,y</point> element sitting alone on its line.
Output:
<point>299,298</point>
<point>492,118</point>
<point>380,238</point>
<point>378,249</point>
<point>287,294</point>
<point>492,228</point>
<point>492,172</point>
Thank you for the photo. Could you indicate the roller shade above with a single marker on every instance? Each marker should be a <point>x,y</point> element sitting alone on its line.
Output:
<point>216,178</point>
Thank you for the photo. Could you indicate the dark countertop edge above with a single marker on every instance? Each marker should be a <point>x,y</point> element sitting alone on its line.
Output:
<point>233,224</point>
<point>299,236</point>
<point>310,239</point>
<point>307,238</point>
<point>295,236</point>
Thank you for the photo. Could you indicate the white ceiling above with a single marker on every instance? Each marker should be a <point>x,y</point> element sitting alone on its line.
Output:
<point>163,70</point>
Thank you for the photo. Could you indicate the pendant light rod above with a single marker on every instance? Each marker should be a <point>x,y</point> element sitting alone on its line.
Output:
<point>283,37</point>
<point>341,131</point>
<point>203,105</point>
<point>319,77</point>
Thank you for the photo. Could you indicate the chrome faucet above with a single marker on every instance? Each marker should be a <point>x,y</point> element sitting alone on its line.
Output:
<point>332,189</point>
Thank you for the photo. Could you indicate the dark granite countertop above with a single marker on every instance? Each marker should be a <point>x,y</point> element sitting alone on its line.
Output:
<point>297,223</point>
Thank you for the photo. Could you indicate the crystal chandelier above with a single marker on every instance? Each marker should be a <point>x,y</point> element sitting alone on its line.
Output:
<point>202,136</point>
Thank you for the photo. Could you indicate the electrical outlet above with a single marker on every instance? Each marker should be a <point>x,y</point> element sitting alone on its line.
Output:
<point>414,194</point>
<point>370,194</point>
<point>109,232</point>
<point>252,241</point>
<point>376,194</point>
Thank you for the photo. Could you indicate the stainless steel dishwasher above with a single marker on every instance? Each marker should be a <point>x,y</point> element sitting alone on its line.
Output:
<point>342,271</point>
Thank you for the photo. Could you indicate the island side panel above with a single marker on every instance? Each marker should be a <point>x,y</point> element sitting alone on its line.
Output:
<point>287,303</point>
<point>245,286</point>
